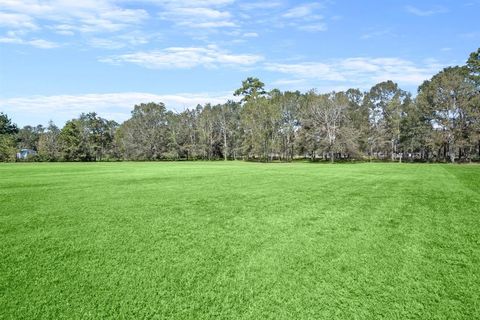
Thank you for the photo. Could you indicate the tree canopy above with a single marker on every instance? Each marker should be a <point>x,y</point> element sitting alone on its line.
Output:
<point>442,123</point>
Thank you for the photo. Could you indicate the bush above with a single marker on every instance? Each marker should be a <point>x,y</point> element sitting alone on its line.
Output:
<point>7,148</point>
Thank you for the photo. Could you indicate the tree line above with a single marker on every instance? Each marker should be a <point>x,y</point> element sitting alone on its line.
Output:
<point>442,123</point>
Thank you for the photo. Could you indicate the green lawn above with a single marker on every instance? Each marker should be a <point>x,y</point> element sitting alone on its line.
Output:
<point>235,240</point>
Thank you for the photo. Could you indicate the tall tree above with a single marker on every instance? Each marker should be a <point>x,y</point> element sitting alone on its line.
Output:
<point>189,126</point>
<point>7,140</point>
<point>289,107</point>
<point>99,134</point>
<point>145,135</point>
<point>415,136</point>
<point>447,96</point>
<point>328,113</point>
<point>209,132</point>
<point>358,122</point>
<point>228,118</point>
<point>385,101</point>
<point>73,145</point>
<point>473,67</point>
<point>87,138</point>
<point>309,135</point>
<point>49,148</point>
<point>28,137</point>
<point>6,125</point>
<point>260,120</point>
<point>251,89</point>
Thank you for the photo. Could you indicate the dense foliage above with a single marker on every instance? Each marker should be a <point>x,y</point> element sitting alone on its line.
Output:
<point>442,123</point>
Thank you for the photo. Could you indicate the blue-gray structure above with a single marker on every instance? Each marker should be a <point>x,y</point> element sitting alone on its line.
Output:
<point>26,153</point>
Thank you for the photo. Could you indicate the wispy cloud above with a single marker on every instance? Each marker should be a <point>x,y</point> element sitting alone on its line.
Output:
<point>301,11</point>
<point>43,44</point>
<point>81,16</point>
<point>313,27</point>
<point>197,14</point>
<point>185,58</point>
<point>38,43</point>
<point>250,35</point>
<point>376,33</point>
<point>116,106</point>
<point>305,17</point>
<point>66,18</point>
<point>100,23</point>
<point>131,39</point>
<point>288,82</point>
<point>359,72</point>
<point>258,5</point>
<point>17,21</point>
<point>425,12</point>
<point>312,70</point>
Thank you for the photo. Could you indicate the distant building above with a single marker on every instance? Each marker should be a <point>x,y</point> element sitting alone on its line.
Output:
<point>26,153</point>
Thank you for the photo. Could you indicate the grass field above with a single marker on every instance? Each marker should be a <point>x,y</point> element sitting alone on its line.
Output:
<point>198,240</point>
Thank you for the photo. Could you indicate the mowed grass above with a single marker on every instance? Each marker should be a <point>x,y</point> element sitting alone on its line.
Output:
<point>235,240</point>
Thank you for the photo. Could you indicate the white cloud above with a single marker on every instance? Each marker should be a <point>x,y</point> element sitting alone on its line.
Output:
<point>106,43</point>
<point>359,72</point>
<point>313,70</point>
<point>63,29</point>
<point>305,17</point>
<point>121,41</point>
<point>376,34</point>
<point>197,14</point>
<point>98,23</point>
<point>43,44</point>
<point>17,21</point>
<point>288,82</point>
<point>116,106</point>
<point>425,12</point>
<point>314,27</point>
<point>192,3</point>
<point>184,58</point>
<point>11,40</point>
<point>204,13</point>
<point>210,24</point>
<point>67,17</point>
<point>300,11</point>
<point>258,5</point>
<point>39,43</point>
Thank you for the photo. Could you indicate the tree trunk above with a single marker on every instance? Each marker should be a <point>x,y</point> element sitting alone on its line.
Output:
<point>451,153</point>
<point>225,147</point>
<point>393,150</point>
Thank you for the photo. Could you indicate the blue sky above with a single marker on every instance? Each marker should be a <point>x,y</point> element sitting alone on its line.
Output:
<point>59,58</point>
